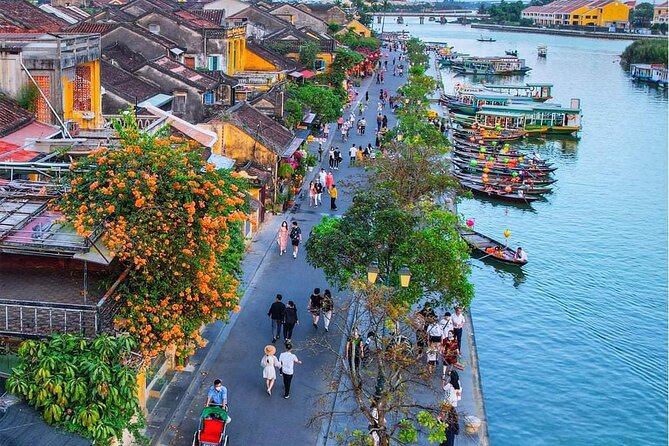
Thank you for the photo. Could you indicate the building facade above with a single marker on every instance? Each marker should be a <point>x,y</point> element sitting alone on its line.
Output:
<point>602,13</point>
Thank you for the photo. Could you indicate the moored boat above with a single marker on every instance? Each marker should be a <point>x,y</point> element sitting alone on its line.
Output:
<point>490,248</point>
<point>538,181</point>
<point>512,53</point>
<point>486,39</point>
<point>532,118</point>
<point>506,185</point>
<point>493,192</point>
<point>542,51</point>
<point>494,66</point>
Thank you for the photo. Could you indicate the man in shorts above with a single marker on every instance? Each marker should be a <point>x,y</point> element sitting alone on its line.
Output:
<point>295,238</point>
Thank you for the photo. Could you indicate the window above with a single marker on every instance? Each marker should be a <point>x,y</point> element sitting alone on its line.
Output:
<point>215,63</point>
<point>179,102</point>
<point>189,61</point>
<point>154,28</point>
<point>42,108</point>
<point>82,88</point>
<point>319,65</point>
<point>208,98</point>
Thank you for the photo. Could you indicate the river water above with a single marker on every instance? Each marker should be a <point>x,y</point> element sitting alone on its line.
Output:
<point>573,350</point>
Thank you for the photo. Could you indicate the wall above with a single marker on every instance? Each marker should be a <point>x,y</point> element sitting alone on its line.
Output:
<point>238,145</point>
<point>182,35</point>
<point>299,18</point>
<point>12,77</point>
<point>71,111</point>
<point>195,109</point>
<point>253,62</point>
<point>231,7</point>
<point>615,12</point>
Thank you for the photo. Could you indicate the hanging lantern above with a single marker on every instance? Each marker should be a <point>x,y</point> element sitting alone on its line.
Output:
<point>491,159</point>
<point>507,233</point>
<point>473,163</point>
<point>472,139</point>
<point>486,169</point>
<point>482,149</point>
<point>506,160</point>
<point>514,174</point>
<point>520,159</point>
<point>470,223</point>
<point>481,156</point>
<point>498,128</point>
<point>494,143</point>
<point>485,180</point>
<point>508,189</point>
<point>480,142</point>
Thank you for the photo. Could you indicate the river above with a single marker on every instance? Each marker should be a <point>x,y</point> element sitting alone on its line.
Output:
<point>573,350</point>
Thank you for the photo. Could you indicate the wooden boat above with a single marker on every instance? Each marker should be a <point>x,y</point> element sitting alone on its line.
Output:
<point>486,39</point>
<point>536,91</point>
<point>539,181</point>
<point>533,118</point>
<point>493,66</point>
<point>504,171</point>
<point>498,194</point>
<point>530,189</point>
<point>512,53</point>
<point>533,168</point>
<point>481,243</point>
<point>517,158</point>
<point>542,51</point>
<point>470,128</point>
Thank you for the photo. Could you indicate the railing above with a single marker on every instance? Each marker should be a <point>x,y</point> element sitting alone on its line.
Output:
<point>249,78</point>
<point>40,319</point>
<point>143,121</point>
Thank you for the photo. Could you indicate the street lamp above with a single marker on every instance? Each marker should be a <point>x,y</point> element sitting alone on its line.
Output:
<point>405,278</point>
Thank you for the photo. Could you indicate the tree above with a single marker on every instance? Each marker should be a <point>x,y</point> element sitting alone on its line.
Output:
<point>333,27</point>
<point>308,53</point>
<point>294,112</point>
<point>645,51</point>
<point>379,229</point>
<point>392,389</point>
<point>175,222</point>
<point>87,387</point>
<point>322,101</point>
<point>642,15</point>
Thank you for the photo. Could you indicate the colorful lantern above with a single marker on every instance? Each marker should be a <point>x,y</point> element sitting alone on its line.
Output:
<point>506,160</point>
<point>472,139</point>
<point>470,223</point>
<point>481,156</point>
<point>486,169</point>
<point>507,233</point>
<point>480,142</point>
<point>491,159</point>
<point>508,189</point>
<point>485,180</point>
<point>473,163</point>
<point>498,127</point>
<point>520,159</point>
<point>514,174</point>
<point>482,149</point>
<point>494,143</point>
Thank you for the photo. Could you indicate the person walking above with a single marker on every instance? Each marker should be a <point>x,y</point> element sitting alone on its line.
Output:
<point>331,156</point>
<point>320,152</point>
<point>367,96</point>
<point>352,152</point>
<point>312,194</point>
<point>282,238</point>
<point>354,351</point>
<point>315,305</point>
<point>329,181</point>
<point>295,238</point>
<point>288,361</point>
<point>290,319</point>
<point>338,158</point>
<point>363,126</point>
<point>275,313</point>
<point>333,197</point>
<point>269,362</point>
<point>379,121</point>
<point>384,122</point>
<point>452,426</point>
<point>319,192</point>
<point>327,309</point>
<point>458,320</point>
<point>321,176</point>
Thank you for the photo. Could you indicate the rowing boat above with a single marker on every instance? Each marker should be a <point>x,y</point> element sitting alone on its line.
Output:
<point>480,243</point>
<point>498,194</point>
<point>538,181</point>
<point>534,169</point>
<point>531,189</point>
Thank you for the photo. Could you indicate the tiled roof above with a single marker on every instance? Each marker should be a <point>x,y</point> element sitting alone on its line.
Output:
<point>89,27</point>
<point>10,27</point>
<point>124,56</point>
<point>222,78</point>
<point>184,73</point>
<point>29,16</point>
<point>12,116</point>
<point>73,11</point>
<point>13,152</point>
<point>567,6</point>
<point>196,20</point>
<point>150,5</point>
<point>126,84</point>
<point>213,15</point>
<point>104,3</point>
<point>270,133</point>
<point>261,17</point>
<point>283,63</point>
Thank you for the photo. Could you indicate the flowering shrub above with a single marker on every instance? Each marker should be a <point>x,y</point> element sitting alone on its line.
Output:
<point>175,221</point>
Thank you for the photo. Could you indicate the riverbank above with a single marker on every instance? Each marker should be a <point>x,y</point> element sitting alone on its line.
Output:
<point>567,32</point>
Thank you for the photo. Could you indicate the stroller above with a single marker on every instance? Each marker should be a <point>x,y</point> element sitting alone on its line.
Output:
<point>211,431</point>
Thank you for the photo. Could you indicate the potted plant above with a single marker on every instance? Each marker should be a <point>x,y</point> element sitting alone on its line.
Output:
<point>310,161</point>
<point>285,170</point>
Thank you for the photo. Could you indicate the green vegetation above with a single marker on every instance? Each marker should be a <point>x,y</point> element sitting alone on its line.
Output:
<point>308,53</point>
<point>333,27</point>
<point>323,101</point>
<point>357,42</point>
<point>294,112</point>
<point>85,387</point>
<point>642,15</point>
<point>27,97</point>
<point>504,13</point>
<point>645,51</point>
<point>282,48</point>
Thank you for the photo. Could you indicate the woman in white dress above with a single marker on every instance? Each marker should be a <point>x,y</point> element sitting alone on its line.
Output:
<point>268,364</point>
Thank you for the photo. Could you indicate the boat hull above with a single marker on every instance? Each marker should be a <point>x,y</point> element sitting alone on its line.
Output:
<point>479,242</point>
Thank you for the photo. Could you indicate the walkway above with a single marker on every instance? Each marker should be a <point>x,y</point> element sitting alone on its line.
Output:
<point>235,349</point>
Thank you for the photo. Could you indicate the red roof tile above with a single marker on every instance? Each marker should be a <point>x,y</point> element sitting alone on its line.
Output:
<point>12,152</point>
<point>88,27</point>
<point>213,15</point>
<point>195,20</point>
<point>29,16</point>
<point>188,75</point>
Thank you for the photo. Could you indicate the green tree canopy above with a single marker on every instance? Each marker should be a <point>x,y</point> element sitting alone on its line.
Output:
<point>322,101</point>
<point>642,15</point>
<point>377,228</point>
<point>308,53</point>
<point>645,51</point>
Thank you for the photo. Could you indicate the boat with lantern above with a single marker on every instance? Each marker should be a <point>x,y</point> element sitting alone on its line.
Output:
<point>492,66</point>
<point>527,187</point>
<point>536,181</point>
<point>495,168</point>
<point>532,118</point>
<point>490,248</point>
<point>490,134</point>
<point>497,156</point>
<point>500,194</point>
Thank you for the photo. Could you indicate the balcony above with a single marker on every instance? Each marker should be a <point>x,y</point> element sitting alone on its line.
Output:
<point>257,78</point>
<point>69,49</point>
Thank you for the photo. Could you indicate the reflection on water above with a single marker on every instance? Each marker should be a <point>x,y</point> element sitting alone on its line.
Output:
<point>503,270</point>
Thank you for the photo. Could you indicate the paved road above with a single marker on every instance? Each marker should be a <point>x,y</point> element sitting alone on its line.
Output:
<point>234,353</point>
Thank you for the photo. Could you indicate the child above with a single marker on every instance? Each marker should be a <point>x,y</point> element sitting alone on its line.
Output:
<point>432,353</point>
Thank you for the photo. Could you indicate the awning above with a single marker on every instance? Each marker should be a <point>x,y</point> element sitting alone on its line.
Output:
<point>177,51</point>
<point>98,253</point>
<point>199,134</point>
<point>309,118</point>
<point>292,147</point>
<point>34,130</point>
<point>295,74</point>
<point>307,74</point>
<point>221,162</point>
<point>157,101</point>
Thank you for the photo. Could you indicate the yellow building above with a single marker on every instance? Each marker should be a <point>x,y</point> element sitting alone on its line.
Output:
<point>357,28</point>
<point>660,13</point>
<point>604,13</point>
